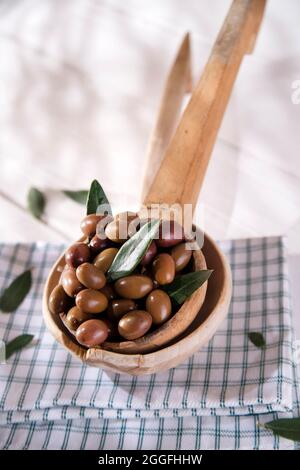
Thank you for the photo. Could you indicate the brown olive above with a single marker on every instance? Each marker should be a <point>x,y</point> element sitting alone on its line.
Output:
<point>70,282</point>
<point>163,269</point>
<point>181,255</point>
<point>89,223</point>
<point>77,254</point>
<point>92,333</point>
<point>90,276</point>
<point>117,308</point>
<point>122,227</point>
<point>108,291</point>
<point>105,258</point>
<point>58,301</point>
<point>158,304</point>
<point>133,287</point>
<point>134,324</point>
<point>98,244</point>
<point>91,301</point>
<point>75,317</point>
<point>150,253</point>
<point>170,234</point>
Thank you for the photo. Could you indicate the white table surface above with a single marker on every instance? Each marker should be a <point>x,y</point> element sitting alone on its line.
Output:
<point>80,83</point>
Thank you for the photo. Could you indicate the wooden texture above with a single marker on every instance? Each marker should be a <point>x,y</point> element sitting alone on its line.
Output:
<point>181,174</point>
<point>178,83</point>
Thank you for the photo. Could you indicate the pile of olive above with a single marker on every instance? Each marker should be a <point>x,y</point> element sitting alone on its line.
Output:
<point>94,309</point>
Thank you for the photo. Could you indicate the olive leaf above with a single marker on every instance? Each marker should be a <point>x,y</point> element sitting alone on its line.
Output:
<point>16,344</point>
<point>285,427</point>
<point>133,250</point>
<point>257,339</point>
<point>183,286</point>
<point>79,196</point>
<point>36,202</point>
<point>97,198</point>
<point>16,292</point>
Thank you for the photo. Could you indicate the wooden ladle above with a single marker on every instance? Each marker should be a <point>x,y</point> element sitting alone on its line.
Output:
<point>178,180</point>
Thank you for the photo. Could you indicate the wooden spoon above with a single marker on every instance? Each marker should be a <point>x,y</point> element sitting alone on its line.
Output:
<point>181,172</point>
<point>179,180</point>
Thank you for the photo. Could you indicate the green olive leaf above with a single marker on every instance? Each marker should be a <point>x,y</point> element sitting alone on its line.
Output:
<point>133,250</point>
<point>97,201</point>
<point>285,427</point>
<point>183,286</point>
<point>79,196</point>
<point>36,202</point>
<point>16,344</point>
<point>257,339</point>
<point>16,292</point>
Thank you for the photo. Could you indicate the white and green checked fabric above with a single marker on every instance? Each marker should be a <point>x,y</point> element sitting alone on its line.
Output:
<point>214,400</point>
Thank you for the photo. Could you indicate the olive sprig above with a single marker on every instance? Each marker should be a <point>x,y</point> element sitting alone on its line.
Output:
<point>257,339</point>
<point>133,250</point>
<point>79,196</point>
<point>289,428</point>
<point>185,285</point>
<point>16,292</point>
<point>97,201</point>
<point>36,202</point>
<point>10,299</point>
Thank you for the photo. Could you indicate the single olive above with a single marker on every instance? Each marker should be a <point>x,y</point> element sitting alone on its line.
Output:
<point>181,255</point>
<point>134,324</point>
<point>163,269</point>
<point>91,301</point>
<point>150,253</point>
<point>58,301</point>
<point>108,291</point>
<point>105,258</point>
<point>158,304</point>
<point>75,317</point>
<point>133,287</point>
<point>89,223</point>
<point>122,227</point>
<point>118,307</point>
<point>77,254</point>
<point>170,233</point>
<point>92,333</point>
<point>70,282</point>
<point>90,276</point>
<point>98,244</point>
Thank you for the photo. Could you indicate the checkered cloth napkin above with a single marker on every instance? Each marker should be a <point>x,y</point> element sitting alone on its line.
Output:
<point>215,400</point>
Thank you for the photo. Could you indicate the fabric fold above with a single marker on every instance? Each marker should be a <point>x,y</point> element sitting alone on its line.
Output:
<point>216,389</point>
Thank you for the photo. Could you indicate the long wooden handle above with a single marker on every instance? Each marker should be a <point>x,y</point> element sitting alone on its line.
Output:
<point>181,173</point>
<point>178,83</point>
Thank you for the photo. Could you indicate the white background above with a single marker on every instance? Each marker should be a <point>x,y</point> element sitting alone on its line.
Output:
<point>80,83</point>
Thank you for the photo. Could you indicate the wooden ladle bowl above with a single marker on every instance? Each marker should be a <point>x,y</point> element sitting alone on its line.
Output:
<point>152,341</point>
<point>204,320</point>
